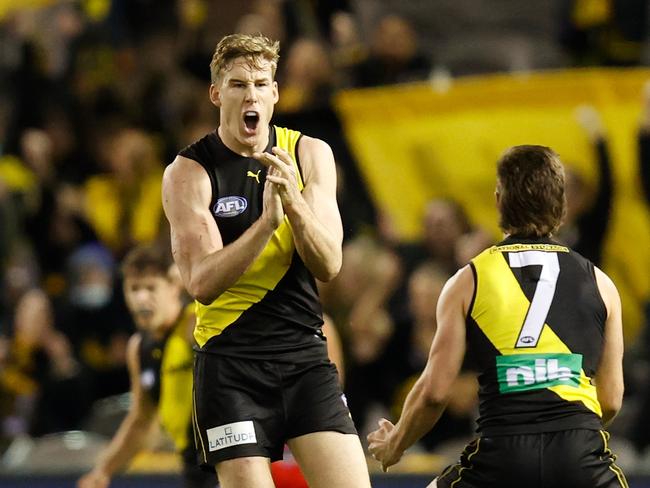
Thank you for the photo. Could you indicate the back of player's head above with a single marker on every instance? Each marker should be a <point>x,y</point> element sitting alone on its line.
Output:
<point>254,48</point>
<point>147,259</point>
<point>530,188</point>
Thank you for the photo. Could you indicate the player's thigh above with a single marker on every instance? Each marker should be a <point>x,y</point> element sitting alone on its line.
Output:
<point>245,472</point>
<point>330,459</point>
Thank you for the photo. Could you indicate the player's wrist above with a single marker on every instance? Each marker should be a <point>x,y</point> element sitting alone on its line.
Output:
<point>297,207</point>
<point>269,223</point>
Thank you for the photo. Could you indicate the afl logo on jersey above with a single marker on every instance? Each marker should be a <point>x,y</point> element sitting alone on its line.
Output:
<point>229,206</point>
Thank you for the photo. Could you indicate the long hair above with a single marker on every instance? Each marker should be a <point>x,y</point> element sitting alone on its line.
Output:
<point>530,186</point>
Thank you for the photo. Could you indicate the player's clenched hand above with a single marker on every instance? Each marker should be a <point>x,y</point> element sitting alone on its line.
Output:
<point>282,173</point>
<point>381,447</point>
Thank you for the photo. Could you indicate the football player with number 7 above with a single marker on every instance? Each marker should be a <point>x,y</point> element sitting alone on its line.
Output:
<point>542,325</point>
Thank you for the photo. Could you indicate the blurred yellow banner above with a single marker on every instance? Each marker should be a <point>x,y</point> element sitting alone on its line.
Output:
<point>9,6</point>
<point>442,139</point>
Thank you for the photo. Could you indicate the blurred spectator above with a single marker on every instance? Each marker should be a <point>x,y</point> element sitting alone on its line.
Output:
<point>264,17</point>
<point>604,32</point>
<point>585,225</point>
<point>94,317</point>
<point>53,219</point>
<point>20,274</point>
<point>123,204</point>
<point>42,385</point>
<point>347,47</point>
<point>308,82</point>
<point>471,244</point>
<point>444,222</point>
<point>394,56</point>
<point>467,37</point>
<point>308,77</point>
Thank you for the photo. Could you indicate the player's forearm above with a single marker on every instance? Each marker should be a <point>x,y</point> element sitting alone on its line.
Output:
<point>420,414</point>
<point>125,445</point>
<point>220,270</point>
<point>317,246</point>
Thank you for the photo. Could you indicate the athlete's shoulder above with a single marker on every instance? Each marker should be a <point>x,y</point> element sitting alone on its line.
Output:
<point>461,280</point>
<point>288,139</point>
<point>200,149</point>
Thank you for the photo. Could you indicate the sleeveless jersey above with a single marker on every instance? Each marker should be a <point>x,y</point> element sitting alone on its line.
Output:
<point>166,377</point>
<point>274,306</point>
<point>535,330</point>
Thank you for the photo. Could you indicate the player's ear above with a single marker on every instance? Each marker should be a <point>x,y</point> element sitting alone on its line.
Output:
<point>276,92</point>
<point>214,95</point>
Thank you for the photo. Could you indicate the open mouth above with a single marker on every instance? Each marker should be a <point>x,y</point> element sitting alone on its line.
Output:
<point>144,314</point>
<point>251,119</point>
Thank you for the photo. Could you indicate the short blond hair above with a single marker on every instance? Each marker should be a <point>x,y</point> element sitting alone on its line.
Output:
<point>254,48</point>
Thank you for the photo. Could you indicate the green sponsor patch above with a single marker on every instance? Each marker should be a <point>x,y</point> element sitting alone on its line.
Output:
<point>523,372</point>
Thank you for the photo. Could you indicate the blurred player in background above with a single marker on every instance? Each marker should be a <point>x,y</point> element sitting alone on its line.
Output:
<point>160,360</point>
<point>543,326</point>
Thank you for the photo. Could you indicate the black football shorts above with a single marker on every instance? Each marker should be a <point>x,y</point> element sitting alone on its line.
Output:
<point>251,407</point>
<point>577,458</point>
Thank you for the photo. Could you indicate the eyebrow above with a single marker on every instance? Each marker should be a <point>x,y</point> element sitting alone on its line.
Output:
<point>237,80</point>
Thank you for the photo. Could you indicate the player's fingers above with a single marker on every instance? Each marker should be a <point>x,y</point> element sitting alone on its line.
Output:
<point>278,180</point>
<point>266,160</point>
<point>385,424</point>
<point>282,154</point>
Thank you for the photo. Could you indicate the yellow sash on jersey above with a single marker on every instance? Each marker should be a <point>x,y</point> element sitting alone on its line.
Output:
<point>500,308</point>
<point>262,276</point>
<point>175,404</point>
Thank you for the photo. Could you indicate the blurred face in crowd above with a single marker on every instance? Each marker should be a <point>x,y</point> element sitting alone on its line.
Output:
<point>153,300</point>
<point>442,228</point>
<point>33,317</point>
<point>245,94</point>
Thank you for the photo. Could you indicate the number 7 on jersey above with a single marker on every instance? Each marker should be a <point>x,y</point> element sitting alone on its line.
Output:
<point>543,296</point>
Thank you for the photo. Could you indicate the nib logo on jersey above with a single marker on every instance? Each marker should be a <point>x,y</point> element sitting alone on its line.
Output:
<point>229,435</point>
<point>523,372</point>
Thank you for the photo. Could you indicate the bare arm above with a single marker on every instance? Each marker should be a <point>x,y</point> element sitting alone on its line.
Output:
<point>207,267</point>
<point>130,436</point>
<point>427,399</point>
<point>314,213</point>
<point>609,376</point>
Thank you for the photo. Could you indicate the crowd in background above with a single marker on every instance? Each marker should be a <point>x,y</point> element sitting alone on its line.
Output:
<point>96,97</point>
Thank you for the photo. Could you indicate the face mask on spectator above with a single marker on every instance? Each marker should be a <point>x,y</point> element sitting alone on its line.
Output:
<point>91,296</point>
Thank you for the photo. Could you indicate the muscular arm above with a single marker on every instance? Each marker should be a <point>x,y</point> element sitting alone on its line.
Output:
<point>207,267</point>
<point>130,436</point>
<point>313,214</point>
<point>427,399</point>
<point>609,376</point>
